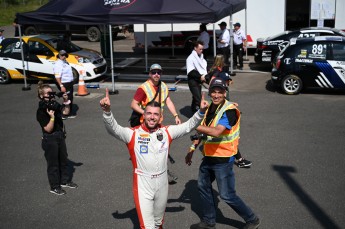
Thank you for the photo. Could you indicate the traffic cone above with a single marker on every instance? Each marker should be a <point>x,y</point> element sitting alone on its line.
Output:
<point>82,91</point>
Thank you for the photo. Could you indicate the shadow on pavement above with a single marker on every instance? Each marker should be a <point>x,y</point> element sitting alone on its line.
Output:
<point>319,214</point>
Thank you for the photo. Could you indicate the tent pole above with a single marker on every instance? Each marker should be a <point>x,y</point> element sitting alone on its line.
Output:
<point>26,87</point>
<point>113,91</point>
<point>214,41</point>
<point>245,31</point>
<point>172,42</point>
<point>231,48</point>
<point>145,38</point>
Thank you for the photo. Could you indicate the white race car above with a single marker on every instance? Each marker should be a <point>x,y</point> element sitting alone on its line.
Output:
<point>40,54</point>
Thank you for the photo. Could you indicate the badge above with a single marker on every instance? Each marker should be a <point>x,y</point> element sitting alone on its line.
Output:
<point>159,136</point>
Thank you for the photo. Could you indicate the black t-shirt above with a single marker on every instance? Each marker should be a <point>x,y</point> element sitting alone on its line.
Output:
<point>43,118</point>
<point>232,117</point>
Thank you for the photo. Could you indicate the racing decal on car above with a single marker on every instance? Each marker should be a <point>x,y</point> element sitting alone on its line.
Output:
<point>282,45</point>
<point>322,81</point>
<point>287,61</point>
<point>318,51</point>
<point>303,54</point>
<point>309,61</point>
<point>332,72</point>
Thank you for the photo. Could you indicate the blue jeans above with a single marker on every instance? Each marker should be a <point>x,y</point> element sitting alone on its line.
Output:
<point>225,178</point>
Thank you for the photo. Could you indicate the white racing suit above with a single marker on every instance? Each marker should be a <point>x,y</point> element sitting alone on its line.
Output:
<point>149,156</point>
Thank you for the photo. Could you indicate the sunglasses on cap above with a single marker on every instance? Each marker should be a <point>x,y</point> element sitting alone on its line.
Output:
<point>154,72</point>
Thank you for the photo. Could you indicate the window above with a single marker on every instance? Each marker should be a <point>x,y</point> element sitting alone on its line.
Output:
<point>339,51</point>
<point>38,48</point>
<point>312,51</point>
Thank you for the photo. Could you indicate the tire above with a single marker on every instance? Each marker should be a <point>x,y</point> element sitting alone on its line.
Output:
<point>291,84</point>
<point>93,34</point>
<point>4,76</point>
<point>30,30</point>
<point>75,76</point>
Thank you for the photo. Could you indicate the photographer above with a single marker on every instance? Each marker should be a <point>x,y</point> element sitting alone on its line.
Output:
<point>49,116</point>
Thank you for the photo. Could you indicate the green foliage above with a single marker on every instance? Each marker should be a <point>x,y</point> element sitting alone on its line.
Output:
<point>9,8</point>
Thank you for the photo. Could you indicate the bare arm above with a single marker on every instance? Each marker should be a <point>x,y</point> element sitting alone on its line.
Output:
<point>172,109</point>
<point>212,131</point>
<point>135,107</point>
<point>50,126</point>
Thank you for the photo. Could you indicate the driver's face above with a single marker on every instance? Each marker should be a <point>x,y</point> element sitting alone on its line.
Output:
<point>152,116</point>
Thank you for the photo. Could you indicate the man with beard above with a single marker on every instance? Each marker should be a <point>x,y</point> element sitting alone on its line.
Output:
<point>148,145</point>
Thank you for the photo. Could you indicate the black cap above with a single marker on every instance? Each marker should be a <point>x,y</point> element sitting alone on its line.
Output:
<point>1,30</point>
<point>237,24</point>
<point>218,82</point>
<point>223,23</point>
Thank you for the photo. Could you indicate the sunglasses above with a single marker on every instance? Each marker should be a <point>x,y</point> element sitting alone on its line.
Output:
<point>156,72</point>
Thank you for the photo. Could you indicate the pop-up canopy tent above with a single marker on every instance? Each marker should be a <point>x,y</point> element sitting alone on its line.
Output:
<point>92,12</point>
<point>131,11</point>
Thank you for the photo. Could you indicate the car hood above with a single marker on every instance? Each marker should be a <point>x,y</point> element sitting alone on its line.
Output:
<point>93,55</point>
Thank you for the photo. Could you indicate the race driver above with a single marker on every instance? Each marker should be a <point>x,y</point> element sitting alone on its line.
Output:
<point>148,146</point>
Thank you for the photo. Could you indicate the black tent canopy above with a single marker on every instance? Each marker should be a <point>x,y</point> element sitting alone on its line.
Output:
<point>94,12</point>
<point>131,11</point>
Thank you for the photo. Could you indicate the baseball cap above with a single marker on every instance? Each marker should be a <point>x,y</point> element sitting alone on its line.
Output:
<point>223,23</point>
<point>63,53</point>
<point>237,24</point>
<point>155,67</point>
<point>218,82</point>
<point>1,30</point>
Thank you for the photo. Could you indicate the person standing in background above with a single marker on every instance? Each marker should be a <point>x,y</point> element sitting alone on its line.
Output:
<point>240,45</point>
<point>204,37</point>
<point>196,72</point>
<point>223,42</point>
<point>64,78</point>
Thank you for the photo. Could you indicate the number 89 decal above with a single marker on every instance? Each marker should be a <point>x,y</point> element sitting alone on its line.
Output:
<point>318,49</point>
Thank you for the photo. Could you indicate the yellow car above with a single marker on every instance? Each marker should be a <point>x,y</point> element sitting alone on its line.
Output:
<point>40,54</point>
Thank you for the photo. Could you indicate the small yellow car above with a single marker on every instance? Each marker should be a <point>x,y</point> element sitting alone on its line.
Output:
<point>40,54</point>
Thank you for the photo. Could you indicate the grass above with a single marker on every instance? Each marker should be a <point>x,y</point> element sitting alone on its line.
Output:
<point>8,13</point>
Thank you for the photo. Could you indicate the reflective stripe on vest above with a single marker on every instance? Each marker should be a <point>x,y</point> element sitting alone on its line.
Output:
<point>150,92</point>
<point>226,144</point>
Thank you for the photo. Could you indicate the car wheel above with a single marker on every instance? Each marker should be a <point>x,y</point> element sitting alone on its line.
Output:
<point>4,76</point>
<point>75,76</point>
<point>291,84</point>
<point>93,34</point>
<point>31,30</point>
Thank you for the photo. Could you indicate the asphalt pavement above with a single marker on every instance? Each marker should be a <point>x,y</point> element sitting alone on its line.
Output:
<point>296,144</point>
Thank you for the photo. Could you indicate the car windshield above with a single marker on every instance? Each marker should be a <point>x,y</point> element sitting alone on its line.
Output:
<point>61,44</point>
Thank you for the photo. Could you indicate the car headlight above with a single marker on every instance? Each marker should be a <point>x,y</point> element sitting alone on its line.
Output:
<point>83,59</point>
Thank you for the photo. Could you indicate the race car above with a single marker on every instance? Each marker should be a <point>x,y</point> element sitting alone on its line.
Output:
<point>39,55</point>
<point>317,62</point>
<point>268,48</point>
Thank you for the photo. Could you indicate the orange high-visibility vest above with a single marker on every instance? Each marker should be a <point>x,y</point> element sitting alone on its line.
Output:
<point>150,92</point>
<point>226,144</point>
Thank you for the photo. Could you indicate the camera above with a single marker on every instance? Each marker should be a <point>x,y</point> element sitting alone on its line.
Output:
<point>51,104</point>
<point>197,136</point>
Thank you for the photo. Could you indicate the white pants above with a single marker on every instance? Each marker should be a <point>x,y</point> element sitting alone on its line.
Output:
<point>150,197</point>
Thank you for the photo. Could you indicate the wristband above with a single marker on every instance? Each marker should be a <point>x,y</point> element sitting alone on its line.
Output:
<point>52,119</point>
<point>67,102</point>
<point>61,85</point>
<point>192,147</point>
<point>175,115</point>
<point>201,113</point>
